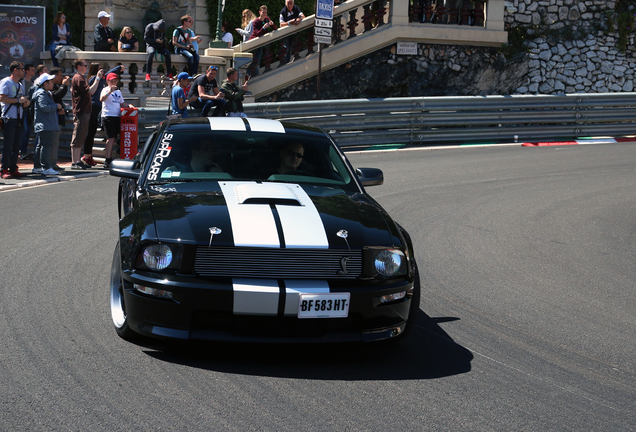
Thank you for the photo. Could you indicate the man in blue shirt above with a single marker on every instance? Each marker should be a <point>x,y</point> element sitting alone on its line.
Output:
<point>179,100</point>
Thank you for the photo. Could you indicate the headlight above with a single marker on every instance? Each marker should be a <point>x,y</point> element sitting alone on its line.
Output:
<point>159,257</point>
<point>390,262</point>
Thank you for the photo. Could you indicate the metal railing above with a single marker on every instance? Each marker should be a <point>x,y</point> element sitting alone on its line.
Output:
<point>364,123</point>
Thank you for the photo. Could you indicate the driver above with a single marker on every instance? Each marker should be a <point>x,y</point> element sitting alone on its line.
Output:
<point>291,155</point>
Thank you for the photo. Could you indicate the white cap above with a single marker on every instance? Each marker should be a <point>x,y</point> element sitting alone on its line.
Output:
<point>103,14</point>
<point>43,78</point>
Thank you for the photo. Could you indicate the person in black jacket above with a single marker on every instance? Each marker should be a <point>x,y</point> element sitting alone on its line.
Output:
<point>155,38</point>
<point>104,38</point>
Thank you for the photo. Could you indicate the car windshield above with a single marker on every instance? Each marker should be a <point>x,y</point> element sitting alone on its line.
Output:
<point>260,156</point>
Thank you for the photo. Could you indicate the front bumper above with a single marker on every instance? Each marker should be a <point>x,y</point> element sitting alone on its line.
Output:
<point>205,310</point>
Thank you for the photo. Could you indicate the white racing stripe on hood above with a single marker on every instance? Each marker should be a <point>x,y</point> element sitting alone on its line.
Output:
<point>254,225</point>
<point>302,225</point>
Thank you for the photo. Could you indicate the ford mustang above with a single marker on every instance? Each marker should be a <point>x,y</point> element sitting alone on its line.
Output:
<point>256,230</point>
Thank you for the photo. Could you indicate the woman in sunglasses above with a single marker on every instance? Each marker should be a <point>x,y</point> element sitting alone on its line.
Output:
<point>128,42</point>
<point>61,35</point>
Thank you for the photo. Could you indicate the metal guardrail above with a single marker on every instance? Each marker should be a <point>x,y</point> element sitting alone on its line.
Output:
<point>356,123</point>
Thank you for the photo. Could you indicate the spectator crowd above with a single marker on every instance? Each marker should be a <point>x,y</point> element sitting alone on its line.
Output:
<point>31,97</point>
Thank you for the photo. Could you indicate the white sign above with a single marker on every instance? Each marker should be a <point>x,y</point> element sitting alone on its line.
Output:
<point>322,31</point>
<point>322,39</point>
<point>324,23</point>
<point>407,48</point>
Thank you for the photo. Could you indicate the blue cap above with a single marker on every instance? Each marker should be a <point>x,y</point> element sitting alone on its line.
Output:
<point>183,75</point>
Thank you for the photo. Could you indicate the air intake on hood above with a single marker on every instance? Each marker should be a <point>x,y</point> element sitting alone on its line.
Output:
<point>267,193</point>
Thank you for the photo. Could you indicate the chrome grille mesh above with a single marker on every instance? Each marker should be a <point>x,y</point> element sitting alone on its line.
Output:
<point>276,263</point>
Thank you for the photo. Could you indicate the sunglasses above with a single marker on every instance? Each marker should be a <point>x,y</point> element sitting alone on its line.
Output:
<point>63,17</point>
<point>291,153</point>
<point>128,31</point>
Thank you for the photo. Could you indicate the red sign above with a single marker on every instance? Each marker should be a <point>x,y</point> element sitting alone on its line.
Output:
<point>129,138</point>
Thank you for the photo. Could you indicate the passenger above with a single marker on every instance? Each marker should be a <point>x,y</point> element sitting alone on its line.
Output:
<point>291,156</point>
<point>202,159</point>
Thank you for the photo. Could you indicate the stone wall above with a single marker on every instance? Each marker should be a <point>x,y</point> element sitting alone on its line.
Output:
<point>576,52</point>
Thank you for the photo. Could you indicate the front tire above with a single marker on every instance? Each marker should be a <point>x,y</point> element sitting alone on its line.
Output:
<point>117,305</point>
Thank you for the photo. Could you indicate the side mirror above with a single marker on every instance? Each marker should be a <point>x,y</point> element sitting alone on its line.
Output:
<point>125,168</point>
<point>370,176</point>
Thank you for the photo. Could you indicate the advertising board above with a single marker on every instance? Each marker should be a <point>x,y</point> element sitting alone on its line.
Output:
<point>22,34</point>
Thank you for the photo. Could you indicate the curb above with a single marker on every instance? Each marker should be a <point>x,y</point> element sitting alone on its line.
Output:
<point>61,178</point>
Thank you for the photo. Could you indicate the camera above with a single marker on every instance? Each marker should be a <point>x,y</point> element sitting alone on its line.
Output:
<point>266,20</point>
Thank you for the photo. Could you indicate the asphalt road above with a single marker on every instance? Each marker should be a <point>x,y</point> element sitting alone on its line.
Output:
<point>527,321</point>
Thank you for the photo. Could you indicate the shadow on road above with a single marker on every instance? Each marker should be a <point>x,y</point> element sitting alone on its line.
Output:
<point>429,352</point>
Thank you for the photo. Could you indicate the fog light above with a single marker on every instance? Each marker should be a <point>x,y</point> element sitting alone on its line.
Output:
<point>153,292</point>
<point>392,297</point>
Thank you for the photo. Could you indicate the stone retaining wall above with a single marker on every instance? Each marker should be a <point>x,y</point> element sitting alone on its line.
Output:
<point>579,54</point>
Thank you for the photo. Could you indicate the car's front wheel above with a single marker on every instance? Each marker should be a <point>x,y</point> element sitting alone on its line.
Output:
<point>117,305</point>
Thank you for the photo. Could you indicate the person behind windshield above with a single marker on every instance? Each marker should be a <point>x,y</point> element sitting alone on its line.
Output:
<point>291,155</point>
<point>201,159</point>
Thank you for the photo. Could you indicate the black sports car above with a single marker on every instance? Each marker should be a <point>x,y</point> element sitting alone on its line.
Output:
<point>256,230</point>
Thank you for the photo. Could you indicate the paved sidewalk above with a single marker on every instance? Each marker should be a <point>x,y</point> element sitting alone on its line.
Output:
<point>30,180</point>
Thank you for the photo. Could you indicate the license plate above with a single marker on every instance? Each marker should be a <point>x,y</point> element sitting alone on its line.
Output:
<point>332,305</point>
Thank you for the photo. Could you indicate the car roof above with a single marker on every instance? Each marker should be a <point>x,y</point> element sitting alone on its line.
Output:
<point>238,124</point>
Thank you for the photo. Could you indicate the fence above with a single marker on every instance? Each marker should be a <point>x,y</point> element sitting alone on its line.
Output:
<point>440,120</point>
<point>356,123</point>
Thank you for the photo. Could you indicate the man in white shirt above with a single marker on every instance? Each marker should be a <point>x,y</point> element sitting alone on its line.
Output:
<point>13,100</point>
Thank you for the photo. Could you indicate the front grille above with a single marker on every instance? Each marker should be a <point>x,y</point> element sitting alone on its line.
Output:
<point>245,262</point>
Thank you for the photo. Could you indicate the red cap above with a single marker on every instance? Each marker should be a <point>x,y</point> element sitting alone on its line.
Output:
<point>111,76</point>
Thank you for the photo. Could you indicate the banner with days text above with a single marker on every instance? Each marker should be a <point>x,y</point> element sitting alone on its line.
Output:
<point>22,34</point>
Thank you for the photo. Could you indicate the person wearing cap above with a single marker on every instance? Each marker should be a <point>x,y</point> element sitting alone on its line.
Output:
<point>104,36</point>
<point>155,38</point>
<point>180,101</point>
<point>112,103</point>
<point>206,91</point>
<point>45,124</point>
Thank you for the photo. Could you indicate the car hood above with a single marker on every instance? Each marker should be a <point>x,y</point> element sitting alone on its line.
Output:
<point>268,215</point>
